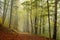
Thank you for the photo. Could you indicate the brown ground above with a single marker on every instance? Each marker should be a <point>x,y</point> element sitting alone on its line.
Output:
<point>6,34</point>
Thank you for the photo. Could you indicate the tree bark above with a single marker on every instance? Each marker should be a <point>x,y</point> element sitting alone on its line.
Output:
<point>55,22</point>
<point>40,25</point>
<point>36,19</point>
<point>31,18</point>
<point>43,25</point>
<point>48,18</point>
<point>11,13</point>
<point>4,14</point>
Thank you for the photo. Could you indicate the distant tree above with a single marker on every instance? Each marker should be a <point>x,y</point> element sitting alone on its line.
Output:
<point>40,26</point>
<point>31,18</point>
<point>43,25</point>
<point>5,8</point>
<point>36,18</point>
<point>11,13</point>
<point>27,19</point>
<point>4,11</point>
<point>1,7</point>
<point>35,25</point>
<point>48,18</point>
<point>16,19</point>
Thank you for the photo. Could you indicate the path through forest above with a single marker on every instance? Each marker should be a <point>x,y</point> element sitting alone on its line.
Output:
<point>6,34</point>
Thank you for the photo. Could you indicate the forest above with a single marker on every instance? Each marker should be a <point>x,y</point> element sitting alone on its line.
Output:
<point>38,17</point>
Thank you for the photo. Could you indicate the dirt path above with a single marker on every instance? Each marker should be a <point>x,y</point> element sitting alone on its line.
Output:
<point>6,34</point>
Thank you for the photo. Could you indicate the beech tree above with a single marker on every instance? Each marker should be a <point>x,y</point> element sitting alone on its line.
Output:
<point>55,21</point>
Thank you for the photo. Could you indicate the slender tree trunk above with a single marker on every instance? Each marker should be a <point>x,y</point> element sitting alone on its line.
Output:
<point>55,21</point>
<point>7,4</point>
<point>41,19</point>
<point>4,12</point>
<point>48,18</point>
<point>40,26</point>
<point>43,26</point>
<point>31,23</point>
<point>11,13</point>
<point>27,21</point>
<point>31,18</point>
<point>42,15</point>
<point>36,25</point>
<point>16,19</point>
<point>36,19</point>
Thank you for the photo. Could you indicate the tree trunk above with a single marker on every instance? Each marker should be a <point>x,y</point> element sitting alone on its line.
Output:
<point>16,19</point>
<point>55,21</point>
<point>11,13</point>
<point>43,26</point>
<point>48,18</point>
<point>31,18</point>
<point>40,26</point>
<point>4,14</point>
<point>36,19</point>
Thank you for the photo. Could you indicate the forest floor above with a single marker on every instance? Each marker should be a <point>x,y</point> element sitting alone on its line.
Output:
<point>6,34</point>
